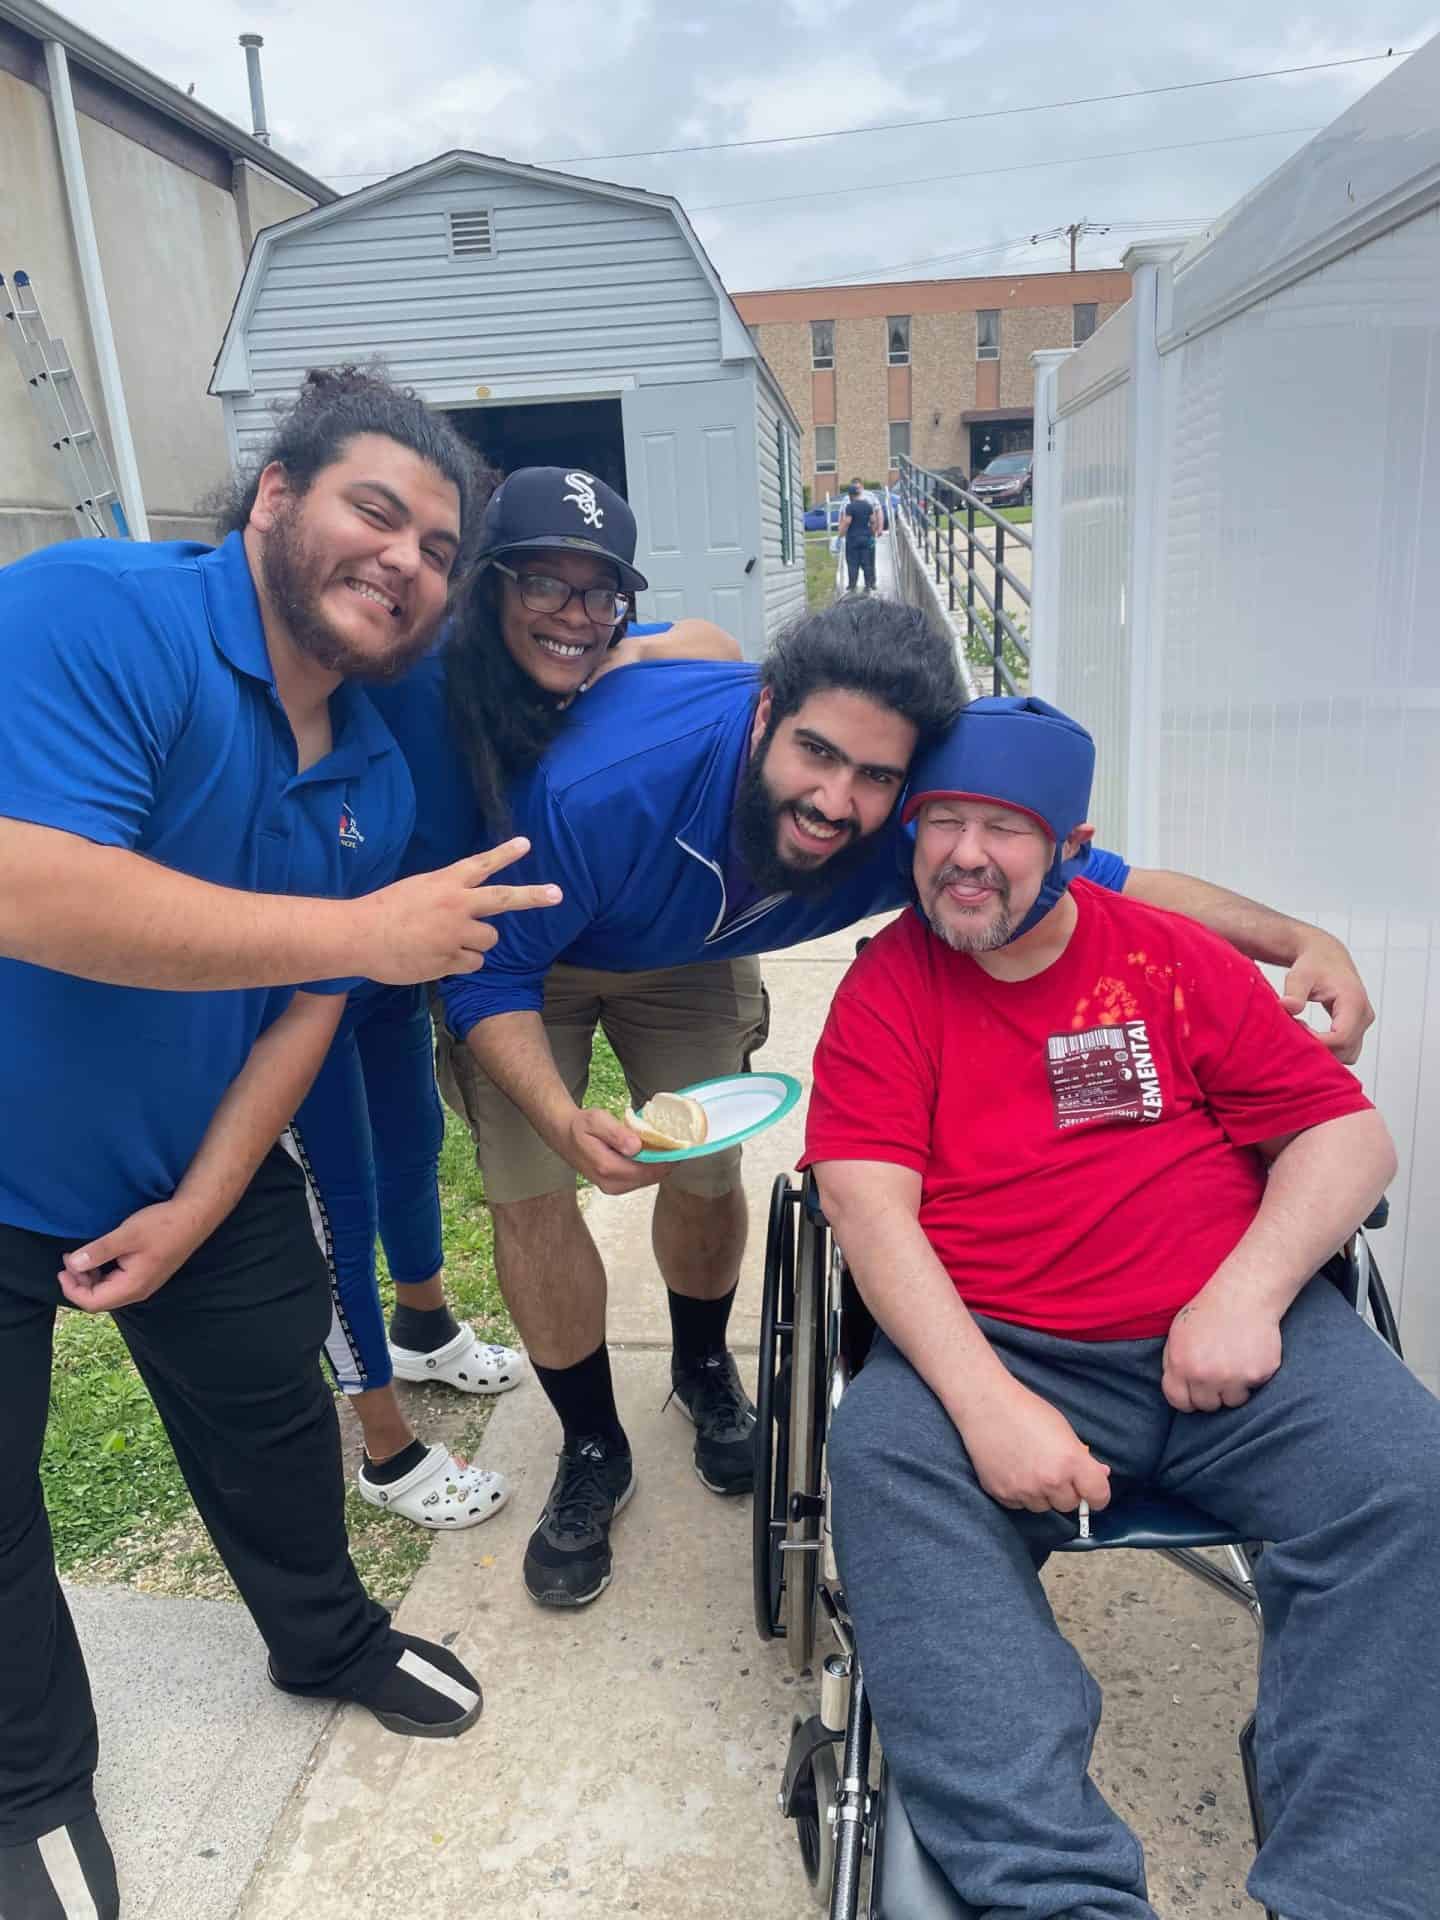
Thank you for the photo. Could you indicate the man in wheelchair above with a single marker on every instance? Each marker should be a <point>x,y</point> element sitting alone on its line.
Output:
<point>1083,1165</point>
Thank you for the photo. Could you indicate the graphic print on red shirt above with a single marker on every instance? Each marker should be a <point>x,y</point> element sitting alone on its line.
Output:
<point>1085,1139</point>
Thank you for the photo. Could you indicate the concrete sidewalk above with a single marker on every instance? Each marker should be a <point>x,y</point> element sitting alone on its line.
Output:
<point>629,1754</point>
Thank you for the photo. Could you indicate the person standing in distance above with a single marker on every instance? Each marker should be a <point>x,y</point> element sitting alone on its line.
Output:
<point>859,524</point>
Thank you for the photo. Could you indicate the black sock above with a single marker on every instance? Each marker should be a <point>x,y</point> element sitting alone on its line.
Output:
<point>584,1398</point>
<point>697,1327</point>
<point>385,1473</point>
<point>423,1329</point>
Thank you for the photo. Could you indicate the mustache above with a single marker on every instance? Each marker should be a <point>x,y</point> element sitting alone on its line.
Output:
<point>973,877</point>
<point>805,811</point>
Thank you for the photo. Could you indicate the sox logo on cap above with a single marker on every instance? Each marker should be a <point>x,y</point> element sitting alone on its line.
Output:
<point>591,512</point>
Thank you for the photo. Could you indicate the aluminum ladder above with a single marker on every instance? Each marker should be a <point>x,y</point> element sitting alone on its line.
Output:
<point>89,483</point>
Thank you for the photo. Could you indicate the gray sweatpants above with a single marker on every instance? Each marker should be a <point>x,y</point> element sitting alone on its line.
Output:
<point>986,1712</point>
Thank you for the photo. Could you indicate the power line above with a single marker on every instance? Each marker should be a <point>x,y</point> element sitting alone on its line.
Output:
<point>952,120</point>
<point>898,266</point>
<point>975,253</point>
<point>956,119</point>
<point>983,173</point>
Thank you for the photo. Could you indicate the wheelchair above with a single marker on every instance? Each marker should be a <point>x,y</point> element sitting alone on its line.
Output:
<point>814,1334</point>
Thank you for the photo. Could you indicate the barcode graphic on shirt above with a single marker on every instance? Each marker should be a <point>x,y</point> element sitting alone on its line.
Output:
<point>1061,1045</point>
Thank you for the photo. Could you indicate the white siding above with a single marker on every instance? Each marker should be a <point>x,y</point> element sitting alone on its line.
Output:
<point>784,585</point>
<point>578,287</point>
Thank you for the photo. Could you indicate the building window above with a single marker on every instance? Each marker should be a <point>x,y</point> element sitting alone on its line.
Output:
<point>987,333</point>
<point>1084,322</point>
<point>899,441</point>
<point>787,494</point>
<point>822,344</point>
<point>897,335</point>
<point>824,449</point>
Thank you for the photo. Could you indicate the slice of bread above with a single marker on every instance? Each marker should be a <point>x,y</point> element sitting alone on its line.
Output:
<point>669,1122</point>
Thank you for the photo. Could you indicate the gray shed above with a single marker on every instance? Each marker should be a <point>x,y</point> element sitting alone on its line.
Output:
<point>557,321</point>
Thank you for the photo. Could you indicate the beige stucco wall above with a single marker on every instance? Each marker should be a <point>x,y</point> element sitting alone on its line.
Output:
<point>262,201</point>
<point>172,251</point>
<point>35,236</point>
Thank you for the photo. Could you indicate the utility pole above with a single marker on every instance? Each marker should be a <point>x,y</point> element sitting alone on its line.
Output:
<point>1074,233</point>
<point>1075,230</point>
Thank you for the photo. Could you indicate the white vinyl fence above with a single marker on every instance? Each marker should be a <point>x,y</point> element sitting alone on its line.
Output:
<point>1237,584</point>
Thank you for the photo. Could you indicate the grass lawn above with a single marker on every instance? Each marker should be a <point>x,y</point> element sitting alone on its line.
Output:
<point>819,570</point>
<point>119,1510</point>
<point>985,527</point>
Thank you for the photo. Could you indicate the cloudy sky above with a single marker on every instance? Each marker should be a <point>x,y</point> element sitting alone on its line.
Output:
<point>359,88</point>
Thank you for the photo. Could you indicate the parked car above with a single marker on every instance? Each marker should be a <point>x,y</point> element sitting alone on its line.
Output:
<point>957,476</point>
<point>1007,481</point>
<point>815,519</point>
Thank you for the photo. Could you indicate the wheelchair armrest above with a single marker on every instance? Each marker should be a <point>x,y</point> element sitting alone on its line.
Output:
<point>1379,1214</point>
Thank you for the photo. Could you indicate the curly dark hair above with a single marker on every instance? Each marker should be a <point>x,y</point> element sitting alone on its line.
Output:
<point>887,651</point>
<point>333,406</point>
<point>501,718</point>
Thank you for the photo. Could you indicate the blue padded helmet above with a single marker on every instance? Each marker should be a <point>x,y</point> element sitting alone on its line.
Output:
<point>1023,753</point>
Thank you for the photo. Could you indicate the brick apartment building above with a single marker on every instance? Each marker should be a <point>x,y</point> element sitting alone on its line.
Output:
<point>937,369</point>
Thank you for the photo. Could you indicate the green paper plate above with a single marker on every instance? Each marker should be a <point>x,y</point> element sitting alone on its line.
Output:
<point>739,1105</point>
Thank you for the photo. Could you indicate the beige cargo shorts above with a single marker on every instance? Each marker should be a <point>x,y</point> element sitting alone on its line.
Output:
<point>669,1027</point>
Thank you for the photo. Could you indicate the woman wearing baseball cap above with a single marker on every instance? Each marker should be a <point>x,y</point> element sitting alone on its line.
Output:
<point>546,609</point>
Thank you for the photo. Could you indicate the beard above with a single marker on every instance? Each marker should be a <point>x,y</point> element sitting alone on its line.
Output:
<point>295,577</point>
<point>757,822</point>
<point>979,939</point>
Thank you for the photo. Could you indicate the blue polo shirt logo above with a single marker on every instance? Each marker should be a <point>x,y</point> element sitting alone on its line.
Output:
<point>350,834</point>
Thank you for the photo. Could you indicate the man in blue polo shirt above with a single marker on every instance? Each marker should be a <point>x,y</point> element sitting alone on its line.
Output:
<point>193,795</point>
<point>704,812</point>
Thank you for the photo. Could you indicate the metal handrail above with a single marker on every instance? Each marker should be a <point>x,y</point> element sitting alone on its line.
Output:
<point>930,504</point>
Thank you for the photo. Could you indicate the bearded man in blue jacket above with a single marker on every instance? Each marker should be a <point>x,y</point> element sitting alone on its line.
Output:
<point>691,813</point>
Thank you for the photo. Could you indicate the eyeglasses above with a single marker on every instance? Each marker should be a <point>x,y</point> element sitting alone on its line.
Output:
<point>542,593</point>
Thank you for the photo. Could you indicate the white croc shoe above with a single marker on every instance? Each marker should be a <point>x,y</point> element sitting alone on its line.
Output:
<point>467,1363</point>
<point>444,1492</point>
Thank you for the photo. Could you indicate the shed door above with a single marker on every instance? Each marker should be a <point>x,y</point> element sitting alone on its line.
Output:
<point>690,464</point>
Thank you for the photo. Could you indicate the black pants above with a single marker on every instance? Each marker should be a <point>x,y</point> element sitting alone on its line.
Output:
<point>860,556</point>
<point>229,1350</point>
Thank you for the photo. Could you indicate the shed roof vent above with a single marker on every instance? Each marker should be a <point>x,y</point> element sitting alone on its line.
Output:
<point>470,236</point>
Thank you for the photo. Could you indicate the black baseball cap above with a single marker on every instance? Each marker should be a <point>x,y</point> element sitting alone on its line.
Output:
<point>561,507</point>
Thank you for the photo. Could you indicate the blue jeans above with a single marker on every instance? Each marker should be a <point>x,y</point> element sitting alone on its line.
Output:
<point>369,1134</point>
<point>986,1712</point>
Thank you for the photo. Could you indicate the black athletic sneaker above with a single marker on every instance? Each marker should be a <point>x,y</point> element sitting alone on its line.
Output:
<point>67,1874</point>
<point>567,1560</point>
<point>710,1395</point>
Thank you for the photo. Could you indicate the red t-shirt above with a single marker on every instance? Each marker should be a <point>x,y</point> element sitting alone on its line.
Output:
<point>1085,1138</point>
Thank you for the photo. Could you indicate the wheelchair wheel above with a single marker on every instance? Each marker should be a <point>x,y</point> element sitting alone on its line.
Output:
<point>772,1411</point>
<point>803,1493</point>
<point>813,1810</point>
